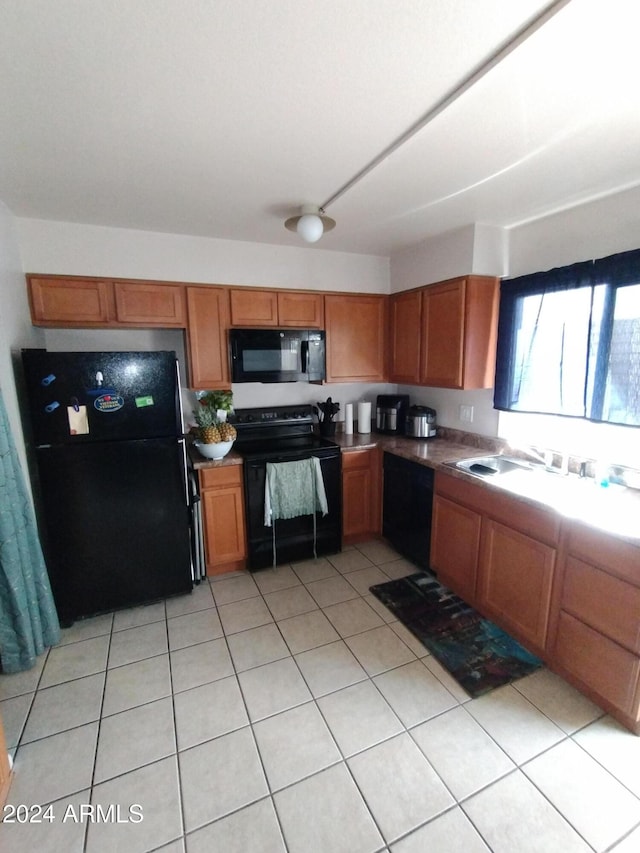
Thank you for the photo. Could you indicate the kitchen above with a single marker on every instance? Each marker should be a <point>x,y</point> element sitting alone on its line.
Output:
<point>36,243</point>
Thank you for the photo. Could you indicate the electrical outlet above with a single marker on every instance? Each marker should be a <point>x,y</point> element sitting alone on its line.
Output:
<point>466,414</point>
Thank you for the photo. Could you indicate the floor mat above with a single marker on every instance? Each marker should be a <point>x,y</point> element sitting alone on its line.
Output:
<point>478,654</point>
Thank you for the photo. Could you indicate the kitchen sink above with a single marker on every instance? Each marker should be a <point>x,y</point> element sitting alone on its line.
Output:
<point>489,466</point>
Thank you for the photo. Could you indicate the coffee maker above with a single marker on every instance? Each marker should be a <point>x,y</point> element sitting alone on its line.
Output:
<point>391,412</point>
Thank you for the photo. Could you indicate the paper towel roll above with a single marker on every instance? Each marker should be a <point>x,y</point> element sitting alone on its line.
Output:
<point>348,419</point>
<point>364,417</point>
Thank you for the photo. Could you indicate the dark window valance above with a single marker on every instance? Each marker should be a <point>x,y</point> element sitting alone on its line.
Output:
<point>569,341</point>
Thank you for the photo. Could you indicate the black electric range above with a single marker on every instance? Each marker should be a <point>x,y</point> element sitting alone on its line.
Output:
<point>286,434</point>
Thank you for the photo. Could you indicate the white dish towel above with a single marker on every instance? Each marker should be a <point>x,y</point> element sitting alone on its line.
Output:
<point>293,489</point>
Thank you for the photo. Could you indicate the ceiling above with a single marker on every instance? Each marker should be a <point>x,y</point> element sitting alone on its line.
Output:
<point>220,118</point>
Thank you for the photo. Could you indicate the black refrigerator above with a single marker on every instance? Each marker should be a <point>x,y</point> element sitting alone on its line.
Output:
<point>111,495</point>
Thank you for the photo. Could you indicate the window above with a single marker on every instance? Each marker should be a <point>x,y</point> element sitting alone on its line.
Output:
<point>569,342</point>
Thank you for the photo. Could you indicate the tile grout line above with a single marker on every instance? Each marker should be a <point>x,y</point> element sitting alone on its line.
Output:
<point>518,766</point>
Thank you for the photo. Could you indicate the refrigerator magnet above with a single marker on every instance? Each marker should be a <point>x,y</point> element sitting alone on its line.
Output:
<point>108,403</point>
<point>78,420</point>
<point>142,402</point>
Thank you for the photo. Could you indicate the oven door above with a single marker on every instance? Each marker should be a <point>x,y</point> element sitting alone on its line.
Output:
<point>293,536</point>
<point>277,355</point>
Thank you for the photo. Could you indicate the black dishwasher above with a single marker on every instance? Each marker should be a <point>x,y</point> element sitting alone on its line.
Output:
<point>406,507</point>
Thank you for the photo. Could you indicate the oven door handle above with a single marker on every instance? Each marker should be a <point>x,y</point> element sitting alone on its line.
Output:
<point>304,353</point>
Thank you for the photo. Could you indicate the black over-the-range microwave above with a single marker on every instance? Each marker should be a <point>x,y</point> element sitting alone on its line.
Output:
<point>277,355</point>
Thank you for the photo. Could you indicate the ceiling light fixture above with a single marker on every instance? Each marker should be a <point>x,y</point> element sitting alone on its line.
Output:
<point>310,223</point>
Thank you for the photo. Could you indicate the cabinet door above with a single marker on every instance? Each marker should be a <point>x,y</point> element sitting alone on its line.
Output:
<point>254,307</point>
<point>443,334</point>
<point>405,331</point>
<point>355,338</point>
<point>208,313</point>
<point>70,302</point>
<point>455,545</point>
<point>300,310</point>
<point>150,304</point>
<point>514,582</point>
<point>223,515</point>
<point>360,495</point>
<point>600,665</point>
<point>606,603</point>
<point>5,768</point>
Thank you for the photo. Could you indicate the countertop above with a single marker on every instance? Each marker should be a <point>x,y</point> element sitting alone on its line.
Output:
<point>614,510</point>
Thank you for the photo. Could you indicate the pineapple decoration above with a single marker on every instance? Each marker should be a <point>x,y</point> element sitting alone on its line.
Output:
<point>211,428</point>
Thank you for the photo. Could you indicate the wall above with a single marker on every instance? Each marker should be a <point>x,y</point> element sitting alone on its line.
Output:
<point>71,249</point>
<point>592,230</point>
<point>479,249</point>
<point>16,330</point>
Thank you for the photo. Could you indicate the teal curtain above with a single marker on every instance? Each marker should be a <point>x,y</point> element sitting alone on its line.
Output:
<point>28,618</point>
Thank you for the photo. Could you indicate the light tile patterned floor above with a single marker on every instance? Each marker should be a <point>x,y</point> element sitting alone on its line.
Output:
<point>289,711</point>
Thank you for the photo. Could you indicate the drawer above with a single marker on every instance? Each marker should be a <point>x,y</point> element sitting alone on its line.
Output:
<point>599,663</point>
<point>225,475</point>
<point>357,459</point>
<point>531,520</point>
<point>611,554</point>
<point>606,603</point>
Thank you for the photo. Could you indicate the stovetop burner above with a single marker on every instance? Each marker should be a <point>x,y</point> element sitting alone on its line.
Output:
<point>277,431</point>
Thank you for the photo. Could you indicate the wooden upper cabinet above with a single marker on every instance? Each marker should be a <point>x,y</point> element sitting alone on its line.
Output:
<point>405,323</point>
<point>253,307</point>
<point>443,334</point>
<point>299,309</point>
<point>70,302</point>
<point>150,304</point>
<point>303,310</point>
<point>355,327</point>
<point>208,314</point>
<point>85,302</point>
<point>459,332</point>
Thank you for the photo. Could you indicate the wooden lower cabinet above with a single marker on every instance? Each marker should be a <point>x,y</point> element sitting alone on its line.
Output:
<point>5,767</point>
<point>222,495</point>
<point>498,554</point>
<point>515,579</point>
<point>595,620</point>
<point>602,668</point>
<point>361,500</point>
<point>455,545</point>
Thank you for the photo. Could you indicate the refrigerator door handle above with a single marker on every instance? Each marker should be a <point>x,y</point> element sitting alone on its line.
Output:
<point>185,469</point>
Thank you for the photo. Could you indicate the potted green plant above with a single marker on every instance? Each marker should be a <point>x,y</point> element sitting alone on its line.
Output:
<point>213,429</point>
<point>218,401</point>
